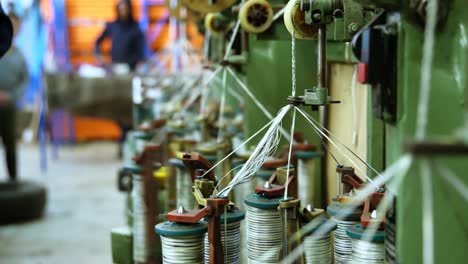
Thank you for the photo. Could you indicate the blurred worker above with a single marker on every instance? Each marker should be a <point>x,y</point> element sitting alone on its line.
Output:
<point>126,36</point>
<point>13,80</point>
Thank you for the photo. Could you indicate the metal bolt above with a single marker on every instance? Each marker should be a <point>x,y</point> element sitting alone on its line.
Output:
<point>353,27</point>
<point>317,16</point>
<point>181,210</point>
<point>267,185</point>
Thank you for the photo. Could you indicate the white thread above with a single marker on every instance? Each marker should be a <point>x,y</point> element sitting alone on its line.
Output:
<point>293,64</point>
<point>293,123</point>
<point>353,99</point>
<point>278,14</point>
<point>341,143</point>
<point>231,42</point>
<point>333,143</point>
<point>221,109</point>
<point>426,68</point>
<point>400,166</point>
<point>257,102</point>
<point>266,147</point>
<point>236,96</point>
<point>205,88</point>
<point>238,147</point>
<point>454,181</point>
<point>427,213</point>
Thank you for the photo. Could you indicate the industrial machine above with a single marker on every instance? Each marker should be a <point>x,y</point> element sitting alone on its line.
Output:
<point>356,106</point>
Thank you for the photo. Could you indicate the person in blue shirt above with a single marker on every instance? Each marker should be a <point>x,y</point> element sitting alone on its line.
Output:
<point>14,78</point>
<point>126,36</point>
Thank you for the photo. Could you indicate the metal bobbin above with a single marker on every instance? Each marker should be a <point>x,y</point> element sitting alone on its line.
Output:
<point>318,247</point>
<point>140,248</point>
<point>184,184</point>
<point>306,164</point>
<point>367,249</point>
<point>342,242</point>
<point>264,229</point>
<point>182,243</point>
<point>231,245</point>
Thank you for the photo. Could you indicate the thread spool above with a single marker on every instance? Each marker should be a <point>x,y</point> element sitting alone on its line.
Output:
<point>231,245</point>
<point>264,229</point>
<point>390,236</point>
<point>140,248</point>
<point>342,242</point>
<point>318,248</point>
<point>182,243</point>
<point>367,249</point>
<point>184,185</point>
<point>306,165</point>
<point>141,139</point>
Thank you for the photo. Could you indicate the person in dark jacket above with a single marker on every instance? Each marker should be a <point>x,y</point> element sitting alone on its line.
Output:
<point>126,36</point>
<point>14,78</point>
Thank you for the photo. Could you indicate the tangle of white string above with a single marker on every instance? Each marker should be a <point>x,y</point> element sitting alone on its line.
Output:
<point>266,147</point>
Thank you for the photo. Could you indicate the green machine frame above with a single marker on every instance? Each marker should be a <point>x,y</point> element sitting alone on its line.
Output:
<point>267,71</point>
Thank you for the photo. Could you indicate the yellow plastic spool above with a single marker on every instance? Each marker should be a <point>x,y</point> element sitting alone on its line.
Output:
<point>256,16</point>
<point>204,6</point>
<point>210,25</point>
<point>162,174</point>
<point>294,20</point>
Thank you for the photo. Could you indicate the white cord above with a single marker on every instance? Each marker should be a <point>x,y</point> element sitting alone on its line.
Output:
<point>308,118</point>
<point>293,124</point>
<point>427,213</point>
<point>354,106</point>
<point>231,42</point>
<point>426,68</point>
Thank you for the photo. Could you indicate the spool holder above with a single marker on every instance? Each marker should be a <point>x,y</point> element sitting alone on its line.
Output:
<point>277,184</point>
<point>196,162</point>
<point>289,211</point>
<point>146,162</point>
<point>351,181</point>
<point>212,212</point>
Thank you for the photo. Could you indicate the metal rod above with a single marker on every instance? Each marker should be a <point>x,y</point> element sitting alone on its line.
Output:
<point>322,56</point>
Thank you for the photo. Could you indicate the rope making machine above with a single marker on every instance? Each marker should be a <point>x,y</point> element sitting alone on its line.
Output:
<point>366,80</point>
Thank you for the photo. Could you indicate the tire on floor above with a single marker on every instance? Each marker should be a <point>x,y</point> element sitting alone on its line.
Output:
<point>21,201</point>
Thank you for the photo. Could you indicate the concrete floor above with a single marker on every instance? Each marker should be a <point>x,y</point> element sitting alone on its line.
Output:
<point>83,205</point>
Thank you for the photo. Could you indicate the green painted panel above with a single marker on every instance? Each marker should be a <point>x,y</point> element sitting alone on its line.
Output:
<point>445,116</point>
